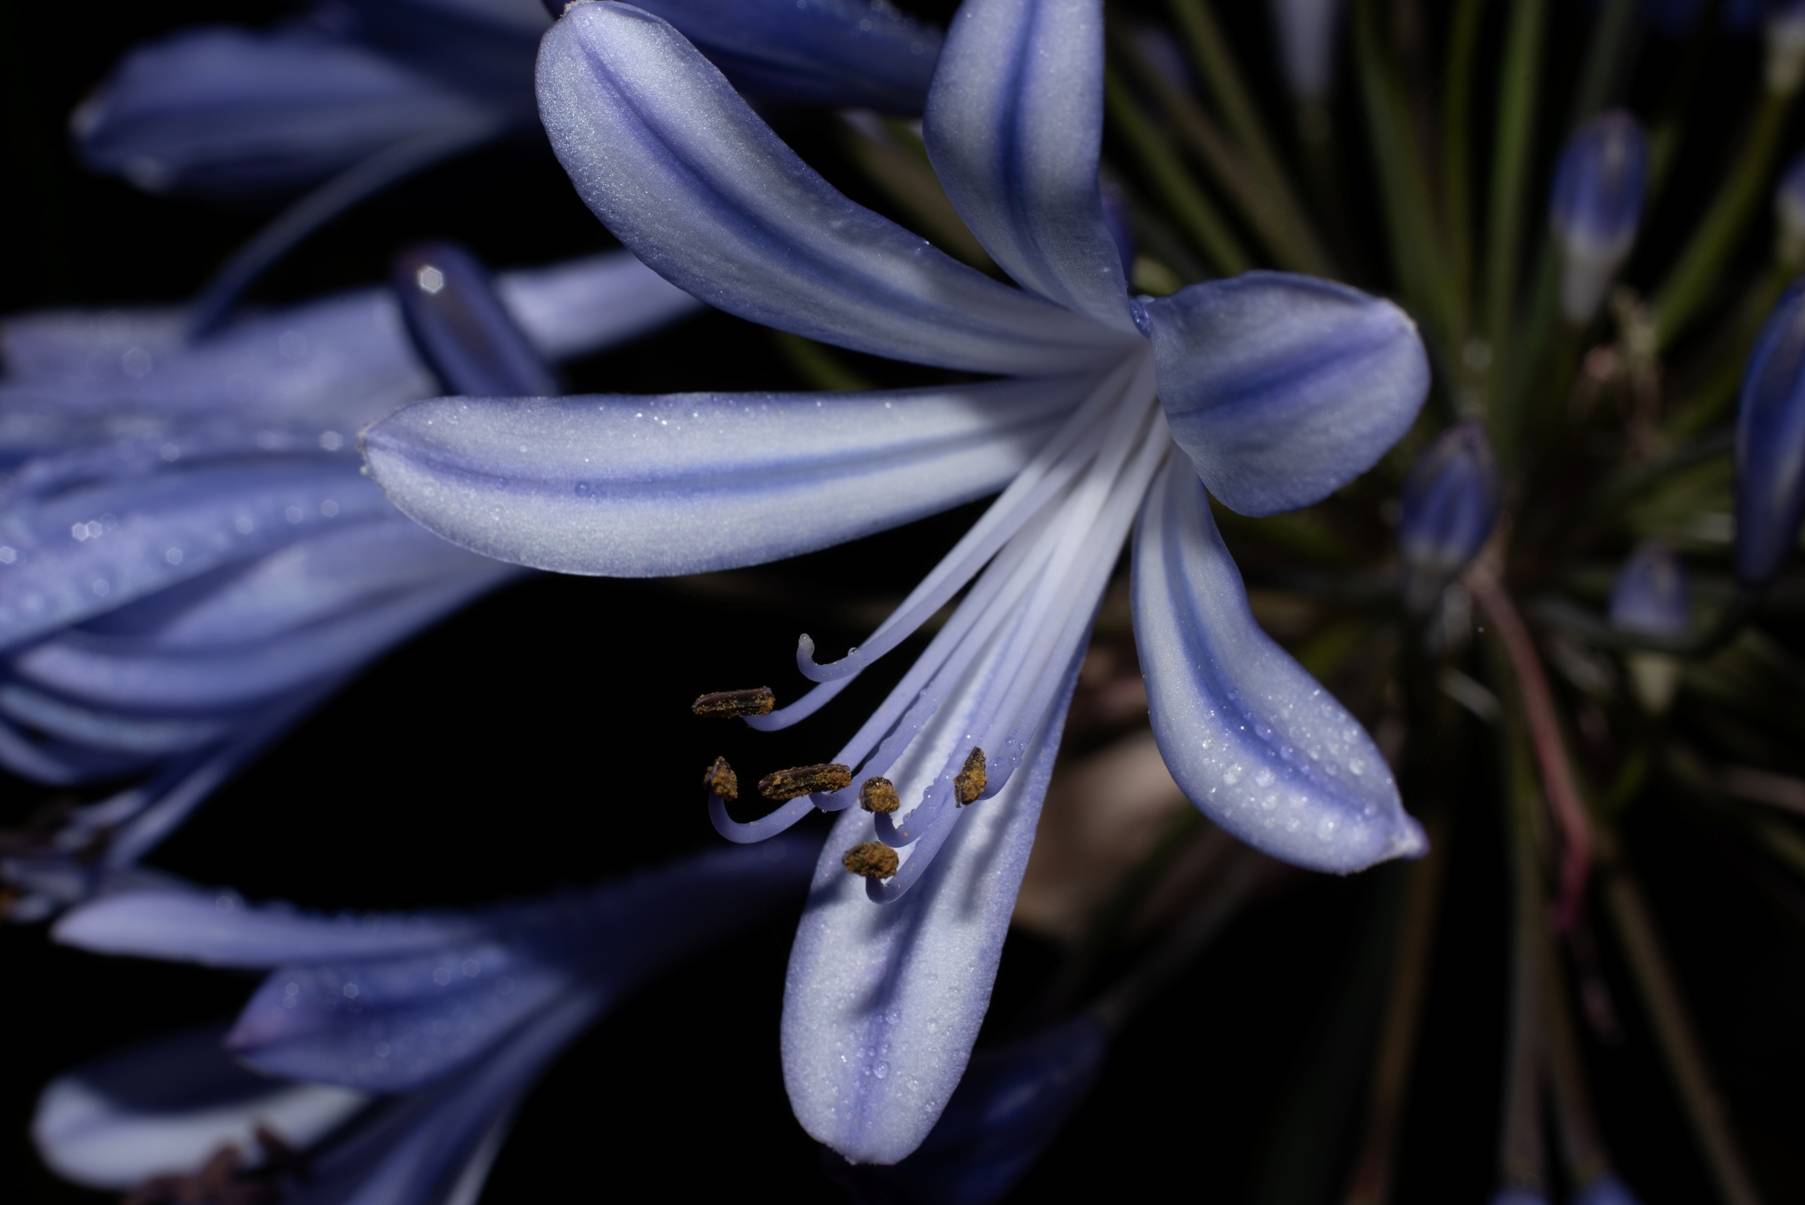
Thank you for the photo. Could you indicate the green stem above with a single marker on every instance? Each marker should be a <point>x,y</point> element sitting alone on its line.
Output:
<point>1709,399</point>
<point>819,365</point>
<point>1457,165</point>
<point>1612,38</point>
<point>1194,213</point>
<point>1518,79</point>
<point>1690,285</point>
<point>1403,178</point>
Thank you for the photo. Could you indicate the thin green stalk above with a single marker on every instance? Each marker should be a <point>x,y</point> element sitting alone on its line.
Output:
<point>1456,160</point>
<point>819,365</point>
<point>1371,1180</point>
<point>1193,211</point>
<point>1708,400</point>
<point>1517,87</point>
<point>1274,216</point>
<point>1216,62</point>
<point>1403,179</point>
<point>1690,285</point>
<point>1612,38</point>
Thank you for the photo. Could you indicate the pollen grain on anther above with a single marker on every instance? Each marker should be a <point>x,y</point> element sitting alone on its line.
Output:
<point>779,786</point>
<point>878,794</point>
<point>721,780</point>
<point>758,701</point>
<point>969,783</point>
<point>871,860</point>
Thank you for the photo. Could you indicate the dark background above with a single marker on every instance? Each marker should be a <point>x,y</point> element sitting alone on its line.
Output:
<point>541,737</point>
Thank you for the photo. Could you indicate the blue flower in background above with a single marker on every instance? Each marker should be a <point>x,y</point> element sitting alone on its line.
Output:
<point>1307,32</point>
<point>1276,389</point>
<point>190,555</point>
<point>1596,208</point>
<point>1650,596</point>
<point>385,1055</point>
<point>1448,509</point>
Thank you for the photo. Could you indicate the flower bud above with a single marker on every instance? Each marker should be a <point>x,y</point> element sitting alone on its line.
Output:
<point>1786,46</point>
<point>1306,31</point>
<point>1770,445</point>
<point>1449,505</point>
<point>1789,215</point>
<point>1650,597</point>
<point>1597,204</point>
<point>1605,1190</point>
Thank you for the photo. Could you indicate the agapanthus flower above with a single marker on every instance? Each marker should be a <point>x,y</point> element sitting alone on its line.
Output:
<point>384,1057</point>
<point>1596,207</point>
<point>1650,595</point>
<point>1274,389</point>
<point>191,557</point>
<point>1770,445</point>
<point>1447,511</point>
<point>224,111</point>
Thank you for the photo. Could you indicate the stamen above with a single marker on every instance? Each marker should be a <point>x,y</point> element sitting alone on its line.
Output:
<point>757,701</point>
<point>781,785</point>
<point>872,860</point>
<point>721,780</point>
<point>968,784</point>
<point>879,795</point>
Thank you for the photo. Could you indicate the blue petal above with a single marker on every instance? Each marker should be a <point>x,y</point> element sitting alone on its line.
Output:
<point>462,329</point>
<point>1281,389</point>
<point>385,1013</point>
<point>1015,127</point>
<point>883,1002</point>
<point>221,112</point>
<point>336,363</point>
<point>642,486</point>
<point>840,53</point>
<point>1258,745</point>
<point>165,1106</point>
<point>670,158</point>
<point>435,1148</point>
<point>96,547</point>
<point>1008,1109</point>
<point>1650,595</point>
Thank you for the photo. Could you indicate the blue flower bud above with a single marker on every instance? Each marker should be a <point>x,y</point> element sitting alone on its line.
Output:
<point>1449,505</point>
<point>1789,214</point>
<point>1650,596</point>
<point>1306,30</point>
<point>1596,207</point>
<point>1770,444</point>
<point>1519,1196</point>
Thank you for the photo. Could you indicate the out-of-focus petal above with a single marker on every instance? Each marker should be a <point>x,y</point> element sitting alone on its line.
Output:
<point>1280,388</point>
<point>1258,745</point>
<point>672,160</point>
<point>1006,1112</point>
<point>166,1106</point>
<point>1770,445</point>
<point>883,1002</point>
<point>1650,595</point>
<point>643,486</point>
<point>218,111</point>
<point>462,329</point>
<point>1308,32</point>
<point>1015,128</point>
<point>842,53</point>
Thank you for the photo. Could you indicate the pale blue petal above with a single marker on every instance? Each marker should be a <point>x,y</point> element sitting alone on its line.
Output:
<point>672,160</point>
<point>1256,742</point>
<point>165,1106</point>
<point>883,1001</point>
<point>1015,128</point>
<point>1281,389</point>
<point>643,486</point>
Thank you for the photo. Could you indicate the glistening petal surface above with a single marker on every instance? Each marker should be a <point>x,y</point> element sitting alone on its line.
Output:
<point>1280,388</point>
<point>1258,745</point>
<point>671,159</point>
<point>1015,128</point>
<point>883,1002</point>
<point>642,486</point>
